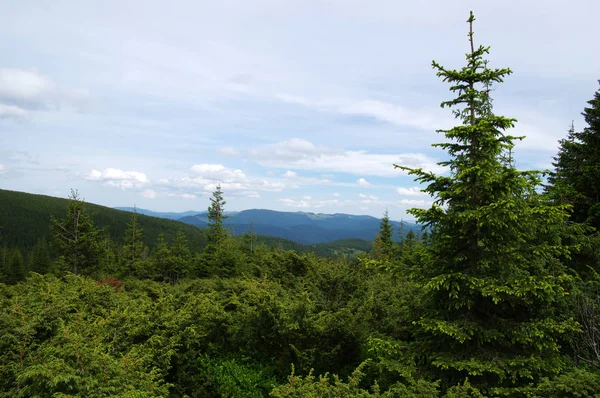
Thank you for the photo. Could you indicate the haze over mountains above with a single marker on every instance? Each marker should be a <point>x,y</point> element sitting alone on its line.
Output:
<point>301,227</point>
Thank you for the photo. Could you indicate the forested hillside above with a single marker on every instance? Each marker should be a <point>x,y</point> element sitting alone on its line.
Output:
<point>25,219</point>
<point>498,297</point>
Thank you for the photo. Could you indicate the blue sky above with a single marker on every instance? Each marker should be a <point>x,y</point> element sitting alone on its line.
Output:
<point>295,105</point>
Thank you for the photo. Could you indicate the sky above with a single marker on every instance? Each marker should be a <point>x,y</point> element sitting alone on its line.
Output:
<point>294,105</point>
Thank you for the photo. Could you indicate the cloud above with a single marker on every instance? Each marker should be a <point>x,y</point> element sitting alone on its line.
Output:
<point>292,150</point>
<point>148,194</point>
<point>204,178</point>
<point>295,181</point>
<point>381,111</point>
<point>1,168</point>
<point>182,195</point>
<point>24,91</point>
<point>363,183</point>
<point>228,151</point>
<point>218,172</point>
<point>368,198</point>
<point>12,111</point>
<point>307,156</point>
<point>337,195</point>
<point>413,191</point>
<point>118,178</point>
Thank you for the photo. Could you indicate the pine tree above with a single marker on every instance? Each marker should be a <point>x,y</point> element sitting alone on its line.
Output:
<point>217,233</point>
<point>576,178</point>
<point>162,256</point>
<point>39,258</point>
<point>14,269</point>
<point>133,249</point>
<point>76,238</point>
<point>383,244</point>
<point>179,262</point>
<point>491,276</point>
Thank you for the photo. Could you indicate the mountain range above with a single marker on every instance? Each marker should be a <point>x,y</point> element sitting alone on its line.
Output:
<point>301,227</point>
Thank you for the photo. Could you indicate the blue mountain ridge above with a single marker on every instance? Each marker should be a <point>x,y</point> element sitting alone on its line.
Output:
<point>301,227</point>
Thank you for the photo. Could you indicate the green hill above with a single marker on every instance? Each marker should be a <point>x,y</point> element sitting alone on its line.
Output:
<point>25,218</point>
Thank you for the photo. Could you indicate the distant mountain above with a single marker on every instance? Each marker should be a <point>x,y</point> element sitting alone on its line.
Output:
<point>302,227</point>
<point>167,215</point>
<point>25,218</point>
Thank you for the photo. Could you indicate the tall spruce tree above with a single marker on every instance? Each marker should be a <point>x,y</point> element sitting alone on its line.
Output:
<point>133,248</point>
<point>76,238</point>
<point>576,178</point>
<point>383,244</point>
<point>491,276</point>
<point>217,233</point>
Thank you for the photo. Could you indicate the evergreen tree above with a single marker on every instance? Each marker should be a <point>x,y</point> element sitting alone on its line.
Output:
<point>491,276</point>
<point>14,269</point>
<point>249,239</point>
<point>162,256</point>
<point>383,244</point>
<point>217,233</point>
<point>179,262</point>
<point>39,258</point>
<point>133,248</point>
<point>576,178</point>
<point>76,238</point>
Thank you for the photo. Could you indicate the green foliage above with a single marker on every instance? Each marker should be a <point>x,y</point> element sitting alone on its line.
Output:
<point>134,252</point>
<point>217,233</point>
<point>383,245</point>
<point>25,219</point>
<point>491,272</point>
<point>76,238</point>
<point>576,178</point>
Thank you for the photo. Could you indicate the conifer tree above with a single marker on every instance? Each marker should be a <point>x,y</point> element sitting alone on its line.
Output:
<point>383,244</point>
<point>162,256</point>
<point>217,233</point>
<point>76,238</point>
<point>39,258</point>
<point>133,248</point>
<point>490,274</point>
<point>179,262</point>
<point>576,178</point>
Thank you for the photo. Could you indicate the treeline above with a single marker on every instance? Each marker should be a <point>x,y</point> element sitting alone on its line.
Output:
<point>498,299</point>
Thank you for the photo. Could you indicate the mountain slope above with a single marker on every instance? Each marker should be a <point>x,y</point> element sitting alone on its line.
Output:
<point>306,228</point>
<point>25,218</point>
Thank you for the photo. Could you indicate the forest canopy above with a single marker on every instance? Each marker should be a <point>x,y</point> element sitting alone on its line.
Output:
<point>497,296</point>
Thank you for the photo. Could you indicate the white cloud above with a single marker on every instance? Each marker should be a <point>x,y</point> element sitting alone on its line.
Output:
<point>22,91</point>
<point>24,85</point>
<point>228,151</point>
<point>218,172</point>
<point>204,179</point>
<point>148,194</point>
<point>337,195</point>
<point>324,159</point>
<point>368,198</point>
<point>290,174</point>
<point>381,111</point>
<point>12,111</point>
<point>188,196</point>
<point>413,191</point>
<point>292,150</point>
<point>363,183</point>
<point>118,178</point>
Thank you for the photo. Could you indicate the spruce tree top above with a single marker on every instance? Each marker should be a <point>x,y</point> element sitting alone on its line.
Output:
<point>490,272</point>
